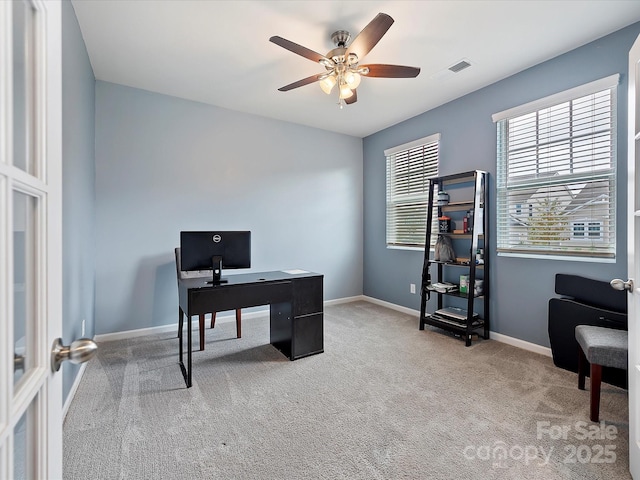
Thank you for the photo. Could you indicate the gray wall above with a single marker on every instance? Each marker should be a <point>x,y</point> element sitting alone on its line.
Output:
<point>520,288</point>
<point>165,164</point>
<point>78,187</point>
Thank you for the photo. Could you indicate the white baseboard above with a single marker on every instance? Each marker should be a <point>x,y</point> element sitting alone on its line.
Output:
<point>108,337</point>
<point>516,342</point>
<point>338,301</point>
<point>498,337</point>
<point>392,306</point>
<point>72,392</point>
<point>220,318</point>
<point>230,317</point>
<point>225,318</point>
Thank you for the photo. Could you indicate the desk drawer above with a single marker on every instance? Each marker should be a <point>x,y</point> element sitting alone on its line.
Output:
<point>307,296</point>
<point>308,335</point>
<point>230,297</point>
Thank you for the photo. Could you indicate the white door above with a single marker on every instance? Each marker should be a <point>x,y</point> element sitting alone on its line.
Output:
<point>30,238</point>
<point>633,265</point>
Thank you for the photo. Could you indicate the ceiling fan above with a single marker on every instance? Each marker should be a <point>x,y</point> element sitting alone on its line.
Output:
<point>342,63</point>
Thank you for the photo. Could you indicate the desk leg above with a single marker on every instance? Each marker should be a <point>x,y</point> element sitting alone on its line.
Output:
<point>189,352</point>
<point>180,317</point>
<point>281,328</point>
<point>186,372</point>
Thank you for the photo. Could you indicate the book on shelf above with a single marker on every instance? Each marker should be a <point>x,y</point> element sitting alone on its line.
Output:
<point>442,287</point>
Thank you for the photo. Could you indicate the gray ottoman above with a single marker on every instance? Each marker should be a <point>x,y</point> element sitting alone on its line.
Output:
<point>601,347</point>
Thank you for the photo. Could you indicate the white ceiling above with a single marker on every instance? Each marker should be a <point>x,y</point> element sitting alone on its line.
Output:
<point>218,52</point>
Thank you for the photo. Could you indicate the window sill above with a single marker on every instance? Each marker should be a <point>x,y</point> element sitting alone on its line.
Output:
<point>413,249</point>
<point>568,258</point>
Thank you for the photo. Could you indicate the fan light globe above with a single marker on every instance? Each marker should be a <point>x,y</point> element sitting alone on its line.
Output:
<point>327,84</point>
<point>345,91</point>
<point>352,79</point>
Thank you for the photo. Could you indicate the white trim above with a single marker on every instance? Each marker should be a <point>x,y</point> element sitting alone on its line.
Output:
<point>416,143</point>
<point>400,247</point>
<point>499,337</point>
<point>140,332</point>
<point>74,389</point>
<point>392,306</point>
<point>338,301</point>
<point>108,337</point>
<point>523,344</point>
<point>557,98</point>
<point>568,258</point>
<point>226,318</point>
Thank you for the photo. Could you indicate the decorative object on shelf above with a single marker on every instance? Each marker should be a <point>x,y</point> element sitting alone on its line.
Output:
<point>464,283</point>
<point>444,224</point>
<point>478,287</point>
<point>443,198</point>
<point>444,250</point>
<point>341,64</point>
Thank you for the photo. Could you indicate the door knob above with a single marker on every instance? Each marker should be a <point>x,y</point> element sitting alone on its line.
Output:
<point>18,362</point>
<point>618,284</point>
<point>79,351</point>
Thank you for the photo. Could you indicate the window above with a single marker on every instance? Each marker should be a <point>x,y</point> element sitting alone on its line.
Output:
<point>558,156</point>
<point>409,168</point>
<point>587,230</point>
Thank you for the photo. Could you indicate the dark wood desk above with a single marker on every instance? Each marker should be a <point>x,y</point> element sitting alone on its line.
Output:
<point>295,300</point>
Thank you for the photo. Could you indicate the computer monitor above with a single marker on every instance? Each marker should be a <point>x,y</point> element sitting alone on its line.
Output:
<point>215,250</point>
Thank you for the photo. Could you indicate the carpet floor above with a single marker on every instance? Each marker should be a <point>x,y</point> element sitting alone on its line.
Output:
<point>384,401</point>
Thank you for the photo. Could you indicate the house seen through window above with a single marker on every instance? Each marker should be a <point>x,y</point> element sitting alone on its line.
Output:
<point>409,168</point>
<point>557,157</point>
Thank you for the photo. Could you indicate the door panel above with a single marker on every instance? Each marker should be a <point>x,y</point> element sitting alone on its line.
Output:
<point>633,261</point>
<point>24,286</point>
<point>30,238</point>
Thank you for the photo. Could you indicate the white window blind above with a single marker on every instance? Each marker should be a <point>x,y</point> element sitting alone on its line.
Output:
<point>559,161</point>
<point>409,168</point>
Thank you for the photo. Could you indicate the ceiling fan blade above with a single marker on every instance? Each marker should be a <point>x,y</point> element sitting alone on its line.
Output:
<point>391,71</point>
<point>352,99</point>
<point>303,82</point>
<point>370,35</point>
<point>299,49</point>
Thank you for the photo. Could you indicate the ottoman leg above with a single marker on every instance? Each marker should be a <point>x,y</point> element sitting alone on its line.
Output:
<point>596,379</point>
<point>582,368</point>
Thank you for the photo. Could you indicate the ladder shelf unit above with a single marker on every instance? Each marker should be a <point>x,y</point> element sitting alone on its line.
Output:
<point>463,313</point>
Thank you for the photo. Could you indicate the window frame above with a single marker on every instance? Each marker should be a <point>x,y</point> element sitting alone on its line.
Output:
<point>604,244</point>
<point>416,200</point>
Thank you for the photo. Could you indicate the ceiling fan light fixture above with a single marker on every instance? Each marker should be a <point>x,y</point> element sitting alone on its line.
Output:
<point>342,63</point>
<point>345,91</point>
<point>352,79</point>
<point>327,84</point>
<point>327,63</point>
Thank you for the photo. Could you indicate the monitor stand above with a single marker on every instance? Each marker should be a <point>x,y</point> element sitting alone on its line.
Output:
<point>217,271</point>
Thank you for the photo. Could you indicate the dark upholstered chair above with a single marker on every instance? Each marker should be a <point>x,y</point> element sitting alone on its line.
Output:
<point>601,347</point>
<point>202,274</point>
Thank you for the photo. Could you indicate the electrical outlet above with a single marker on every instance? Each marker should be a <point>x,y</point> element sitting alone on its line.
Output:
<point>412,288</point>
<point>82,334</point>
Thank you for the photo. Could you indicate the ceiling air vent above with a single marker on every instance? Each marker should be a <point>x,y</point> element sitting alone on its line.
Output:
<point>459,66</point>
